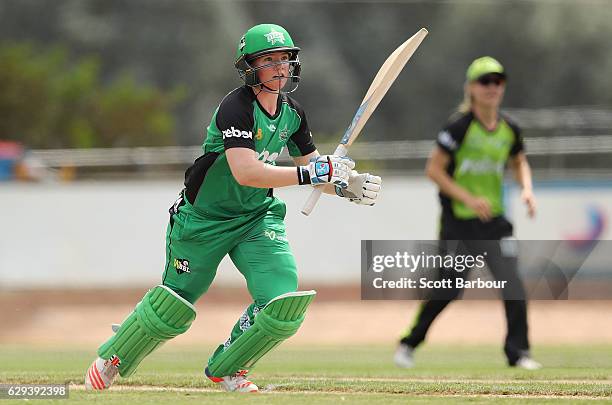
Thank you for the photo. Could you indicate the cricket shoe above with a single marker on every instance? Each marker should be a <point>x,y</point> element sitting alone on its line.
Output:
<point>528,363</point>
<point>404,356</point>
<point>235,383</point>
<point>102,373</point>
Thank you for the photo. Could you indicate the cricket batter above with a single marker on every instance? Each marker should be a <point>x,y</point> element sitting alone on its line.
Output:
<point>467,165</point>
<point>228,207</point>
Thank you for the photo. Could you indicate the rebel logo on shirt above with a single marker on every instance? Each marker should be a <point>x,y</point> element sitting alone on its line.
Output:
<point>236,133</point>
<point>181,266</point>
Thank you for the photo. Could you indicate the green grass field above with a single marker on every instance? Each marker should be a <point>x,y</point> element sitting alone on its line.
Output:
<point>333,375</point>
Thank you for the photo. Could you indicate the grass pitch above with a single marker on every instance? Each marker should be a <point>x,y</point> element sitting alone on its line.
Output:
<point>332,375</point>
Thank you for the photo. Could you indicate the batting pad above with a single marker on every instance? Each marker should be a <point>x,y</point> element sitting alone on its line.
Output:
<point>277,321</point>
<point>161,315</point>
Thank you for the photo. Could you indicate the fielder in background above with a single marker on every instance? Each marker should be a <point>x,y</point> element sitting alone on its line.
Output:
<point>228,208</point>
<point>467,165</point>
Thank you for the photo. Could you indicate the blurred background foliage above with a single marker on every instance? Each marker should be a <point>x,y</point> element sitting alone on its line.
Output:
<point>50,100</point>
<point>147,52</point>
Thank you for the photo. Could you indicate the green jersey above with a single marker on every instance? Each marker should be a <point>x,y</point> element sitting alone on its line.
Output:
<point>241,122</point>
<point>478,159</point>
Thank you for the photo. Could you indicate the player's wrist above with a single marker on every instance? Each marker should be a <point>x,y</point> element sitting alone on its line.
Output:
<point>327,169</point>
<point>466,198</point>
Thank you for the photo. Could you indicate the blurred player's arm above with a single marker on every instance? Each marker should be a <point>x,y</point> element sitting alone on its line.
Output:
<point>522,173</point>
<point>436,170</point>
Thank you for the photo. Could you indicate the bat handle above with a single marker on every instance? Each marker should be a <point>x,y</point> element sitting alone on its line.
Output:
<point>312,200</point>
<point>341,150</point>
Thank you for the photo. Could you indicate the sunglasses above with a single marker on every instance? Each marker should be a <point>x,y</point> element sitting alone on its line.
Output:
<point>491,79</point>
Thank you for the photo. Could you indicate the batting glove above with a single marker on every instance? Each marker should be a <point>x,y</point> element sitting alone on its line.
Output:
<point>363,188</point>
<point>327,169</point>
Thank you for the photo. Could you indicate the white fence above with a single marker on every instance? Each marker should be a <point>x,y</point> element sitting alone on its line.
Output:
<point>111,234</point>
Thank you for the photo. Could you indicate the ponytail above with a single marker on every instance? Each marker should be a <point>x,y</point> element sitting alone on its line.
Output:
<point>466,104</point>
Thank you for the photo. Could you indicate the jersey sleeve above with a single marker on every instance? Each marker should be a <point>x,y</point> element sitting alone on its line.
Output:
<point>235,121</point>
<point>451,136</point>
<point>300,143</point>
<point>518,145</point>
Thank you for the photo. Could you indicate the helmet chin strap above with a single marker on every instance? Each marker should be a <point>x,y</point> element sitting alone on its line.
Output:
<point>263,87</point>
<point>269,89</point>
<point>258,88</point>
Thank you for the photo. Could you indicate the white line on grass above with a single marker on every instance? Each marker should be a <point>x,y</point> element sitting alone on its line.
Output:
<point>442,380</point>
<point>272,389</point>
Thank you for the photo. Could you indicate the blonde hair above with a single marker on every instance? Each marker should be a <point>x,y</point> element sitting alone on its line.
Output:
<point>466,104</point>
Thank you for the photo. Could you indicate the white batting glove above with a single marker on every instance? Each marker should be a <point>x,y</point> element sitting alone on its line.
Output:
<point>363,188</point>
<point>327,169</point>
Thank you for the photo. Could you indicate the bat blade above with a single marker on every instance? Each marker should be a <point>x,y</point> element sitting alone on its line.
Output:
<point>383,80</point>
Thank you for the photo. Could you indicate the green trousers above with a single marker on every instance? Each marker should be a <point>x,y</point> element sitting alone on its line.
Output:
<point>257,245</point>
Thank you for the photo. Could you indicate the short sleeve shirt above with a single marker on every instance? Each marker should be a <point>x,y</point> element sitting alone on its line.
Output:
<point>241,122</point>
<point>478,159</point>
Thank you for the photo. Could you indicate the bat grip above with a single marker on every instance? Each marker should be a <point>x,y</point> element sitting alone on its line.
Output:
<point>312,200</point>
<point>341,150</point>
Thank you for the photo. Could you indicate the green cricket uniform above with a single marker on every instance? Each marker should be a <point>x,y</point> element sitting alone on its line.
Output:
<point>216,216</point>
<point>241,122</point>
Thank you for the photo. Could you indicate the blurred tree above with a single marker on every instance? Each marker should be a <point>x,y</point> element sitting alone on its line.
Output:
<point>556,54</point>
<point>49,101</point>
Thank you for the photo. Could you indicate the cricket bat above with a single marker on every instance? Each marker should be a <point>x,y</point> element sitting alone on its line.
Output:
<point>382,82</point>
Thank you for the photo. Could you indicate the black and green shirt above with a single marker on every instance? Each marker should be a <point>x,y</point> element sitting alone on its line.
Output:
<point>478,159</point>
<point>241,122</point>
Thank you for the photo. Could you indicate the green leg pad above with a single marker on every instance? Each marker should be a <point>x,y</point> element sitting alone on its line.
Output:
<point>161,315</point>
<point>277,321</point>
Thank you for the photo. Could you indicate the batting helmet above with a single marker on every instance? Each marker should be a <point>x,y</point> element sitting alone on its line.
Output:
<point>261,40</point>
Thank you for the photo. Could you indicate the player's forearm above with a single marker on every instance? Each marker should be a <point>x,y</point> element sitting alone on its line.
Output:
<point>447,185</point>
<point>526,181</point>
<point>274,176</point>
<point>251,172</point>
<point>263,175</point>
<point>522,173</point>
<point>524,176</point>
